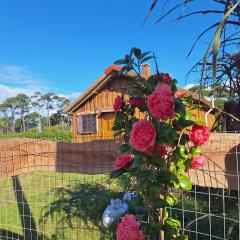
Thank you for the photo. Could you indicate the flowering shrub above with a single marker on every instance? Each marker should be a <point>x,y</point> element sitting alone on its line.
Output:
<point>157,150</point>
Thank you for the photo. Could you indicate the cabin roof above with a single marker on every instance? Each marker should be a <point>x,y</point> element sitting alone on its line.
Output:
<point>107,76</point>
<point>97,85</point>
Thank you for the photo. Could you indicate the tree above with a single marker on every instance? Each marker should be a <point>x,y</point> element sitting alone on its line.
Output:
<point>215,92</point>
<point>62,103</point>
<point>23,107</point>
<point>48,102</point>
<point>37,105</point>
<point>5,119</point>
<point>11,105</point>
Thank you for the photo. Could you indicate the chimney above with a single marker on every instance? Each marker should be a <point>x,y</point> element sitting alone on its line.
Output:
<point>146,70</point>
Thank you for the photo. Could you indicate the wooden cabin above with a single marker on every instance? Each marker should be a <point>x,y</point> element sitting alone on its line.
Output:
<point>92,113</point>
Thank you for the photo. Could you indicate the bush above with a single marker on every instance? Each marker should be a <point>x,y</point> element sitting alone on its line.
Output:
<point>54,133</point>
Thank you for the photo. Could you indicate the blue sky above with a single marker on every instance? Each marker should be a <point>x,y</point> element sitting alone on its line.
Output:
<point>64,45</point>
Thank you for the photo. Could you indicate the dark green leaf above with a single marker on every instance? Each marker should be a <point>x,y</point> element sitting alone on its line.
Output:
<point>137,162</point>
<point>117,173</point>
<point>185,123</point>
<point>120,62</point>
<point>137,52</point>
<point>179,107</point>
<point>124,148</point>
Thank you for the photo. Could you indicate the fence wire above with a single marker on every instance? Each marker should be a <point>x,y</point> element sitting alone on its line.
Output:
<point>55,190</point>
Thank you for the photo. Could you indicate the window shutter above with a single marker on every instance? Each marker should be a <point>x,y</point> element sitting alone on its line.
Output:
<point>79,124</point>
<point>87,124</point>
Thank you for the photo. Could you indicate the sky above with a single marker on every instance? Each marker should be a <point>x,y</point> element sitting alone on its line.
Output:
<point>63,46</point>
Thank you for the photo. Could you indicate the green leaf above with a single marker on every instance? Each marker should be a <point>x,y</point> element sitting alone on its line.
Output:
<point>117,173</point>
<point>182,150</point>
<point>143,55</point>
<point>137,162</point>
<point>199,122</point>
<point>185,183</point>
<point>137,52</point>
<point>124,148</point>
<point>171,199</point>
<point>145,59</point>
<point>173,223</point>
<point>120,62</point>
<point>217,36</point>
<point>179,107</point>
<point>185,123</point>
<point>120,116</point>
<point>154,189</point>
<point>159,203</point>
<point>188,115</point>
<point>182,237</point>
<point>197,150</point>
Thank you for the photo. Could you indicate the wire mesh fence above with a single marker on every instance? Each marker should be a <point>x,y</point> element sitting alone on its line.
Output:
<point>58,190</point>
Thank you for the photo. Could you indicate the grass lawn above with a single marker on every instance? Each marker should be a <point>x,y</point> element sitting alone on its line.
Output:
<point>69,206</point>
<point>77,203</point>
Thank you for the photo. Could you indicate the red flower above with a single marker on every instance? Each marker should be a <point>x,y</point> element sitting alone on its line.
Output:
<point>161,150</point>
<point>122,161</point>
<point>179,95</point>
<point>198,161</point>
<point>161,102</point>
<point>166,77</point>
<point>138,102</point>
<point>199,135</point>
<point>128,229</point>
<point>143,135</point>
<point>117,104</point>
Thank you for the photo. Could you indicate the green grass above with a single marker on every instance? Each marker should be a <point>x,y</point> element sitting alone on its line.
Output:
<point>69,206</point>
<point>63,206</point>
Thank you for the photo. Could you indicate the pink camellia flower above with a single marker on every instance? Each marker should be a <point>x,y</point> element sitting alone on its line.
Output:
<point>179,95</point>
<point>128,229</point>
<point>198,161</point>
<point>161,102</point>
<point>143,135</point>
<point>122,161</point>
<point>138,102</point>
<point>161,150</point>
<point>166,77</point>
<point>117,104</point>
<point>199,135</point>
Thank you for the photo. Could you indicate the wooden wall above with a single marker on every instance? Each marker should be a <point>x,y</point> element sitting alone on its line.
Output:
<point>104,100</point>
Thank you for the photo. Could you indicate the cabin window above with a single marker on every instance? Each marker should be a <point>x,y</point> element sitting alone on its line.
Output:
<point>87,124</point>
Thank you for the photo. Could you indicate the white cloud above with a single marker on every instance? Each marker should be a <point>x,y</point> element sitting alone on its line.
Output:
<point>188,86</point>
<point>18,75</point>
<point>7,91</point>
<point>17,79</point>
<point>71,96</point>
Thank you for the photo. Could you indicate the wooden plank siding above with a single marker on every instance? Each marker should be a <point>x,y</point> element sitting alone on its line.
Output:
<point>103,100</point>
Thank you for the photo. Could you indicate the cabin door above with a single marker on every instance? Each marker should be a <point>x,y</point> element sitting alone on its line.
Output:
<point>108,121</point>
